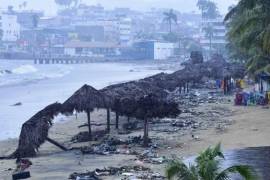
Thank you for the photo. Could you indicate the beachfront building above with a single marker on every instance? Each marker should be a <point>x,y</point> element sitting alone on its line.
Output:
<point>213,34</point>
<point>91,49</point>
<point>9,27</point>
<point>153,50</point>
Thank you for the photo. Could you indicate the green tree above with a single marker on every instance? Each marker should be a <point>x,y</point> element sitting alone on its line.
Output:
<point>202,5</point>
<point>208,9</point>
<point>209,33</point>
<point>207,167</point>
<point>65,3</point>
<point>249,33</point>
<point>35,20</point>
<point>170,17</point>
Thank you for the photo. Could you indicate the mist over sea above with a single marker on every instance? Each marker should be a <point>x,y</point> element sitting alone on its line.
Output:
<point>35,86</point>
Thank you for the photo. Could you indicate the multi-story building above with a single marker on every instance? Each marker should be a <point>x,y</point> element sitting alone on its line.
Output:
<point>125,25</point>
<point>10,27</point>
<point>213,34</point>
<point>29,19</point>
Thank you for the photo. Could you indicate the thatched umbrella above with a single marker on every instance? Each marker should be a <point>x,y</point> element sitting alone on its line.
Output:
<point>34,132</point>
<point>86,99</point>
<point>151,106</point>
<point>125,94</point>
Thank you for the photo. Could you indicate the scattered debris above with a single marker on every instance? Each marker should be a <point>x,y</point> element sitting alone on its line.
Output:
<point>17,104</point>
<point>126,172</point>
<point>84,136</point>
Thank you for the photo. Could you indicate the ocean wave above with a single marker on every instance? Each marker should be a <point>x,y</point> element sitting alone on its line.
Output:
<point>24,69</point>
<point>25,74</point>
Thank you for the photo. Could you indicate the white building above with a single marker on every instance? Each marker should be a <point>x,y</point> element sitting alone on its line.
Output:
<point>9,27</point>
<point>218,39</point>
<point>154,50</point>
<point>125,25</point>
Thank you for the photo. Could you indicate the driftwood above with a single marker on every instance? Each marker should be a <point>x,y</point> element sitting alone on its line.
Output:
<point>56,144</point>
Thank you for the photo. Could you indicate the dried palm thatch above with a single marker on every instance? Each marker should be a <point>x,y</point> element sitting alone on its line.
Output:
<point>151,106</point>
<point>86,99</point>
<point>35,131</point>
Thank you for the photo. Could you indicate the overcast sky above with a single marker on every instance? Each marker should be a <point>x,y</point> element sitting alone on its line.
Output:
<point>181,5</point>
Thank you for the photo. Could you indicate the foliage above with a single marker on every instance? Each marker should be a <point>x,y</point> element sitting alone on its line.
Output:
<point>66,3</point>
<point>209,33</point>
<point>35,20</point>
<point>207,168</point>
<point>249,33</point>
<point>170,17</point>
<point>208,8</point>
<point>171,37</point>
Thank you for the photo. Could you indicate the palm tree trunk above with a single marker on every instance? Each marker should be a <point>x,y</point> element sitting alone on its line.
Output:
<point>116,120</point>
<point>170,24</point>
<point>145,135</point>
<point>210,39</point>
<point>108,120</point>
<point>89,124</point>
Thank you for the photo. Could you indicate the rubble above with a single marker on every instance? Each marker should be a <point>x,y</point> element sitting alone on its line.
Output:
<point>125,172</point>
<point>109,146</point>
<point>84,136</point>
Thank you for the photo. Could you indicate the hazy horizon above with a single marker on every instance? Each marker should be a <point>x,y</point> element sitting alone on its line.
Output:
<point>50,7</point>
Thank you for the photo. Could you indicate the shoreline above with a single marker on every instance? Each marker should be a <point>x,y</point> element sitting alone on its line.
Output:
<point>240,132</point>
<point>34,96</point>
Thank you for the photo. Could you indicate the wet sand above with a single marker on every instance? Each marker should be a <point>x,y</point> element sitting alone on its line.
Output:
<point>249,127</point>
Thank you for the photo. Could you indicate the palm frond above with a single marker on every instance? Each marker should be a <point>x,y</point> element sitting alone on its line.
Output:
<point>180,170</point>
<point>245,171</point>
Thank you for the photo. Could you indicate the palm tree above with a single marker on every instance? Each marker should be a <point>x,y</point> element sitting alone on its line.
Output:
<point>208,9</point>
<point>209,33</point>
<point>208,168</point>
<point>202,5</point>
<point>170,17</point>
<point>24,4</point>
<point>65,3</point>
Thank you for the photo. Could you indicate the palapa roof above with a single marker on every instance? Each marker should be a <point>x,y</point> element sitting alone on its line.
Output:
<point>84,99</point>
<point>35,131</point>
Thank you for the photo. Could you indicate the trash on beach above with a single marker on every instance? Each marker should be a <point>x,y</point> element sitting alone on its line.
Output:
<point>109,146</point>
<point>126,172</point>
<point>21,175</point>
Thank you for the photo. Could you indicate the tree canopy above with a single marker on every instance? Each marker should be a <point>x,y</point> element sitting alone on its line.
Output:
<point>249,34</point>
<point>208,8</point>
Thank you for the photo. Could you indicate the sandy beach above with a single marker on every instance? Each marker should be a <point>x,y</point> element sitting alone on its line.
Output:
<point>244,127</point>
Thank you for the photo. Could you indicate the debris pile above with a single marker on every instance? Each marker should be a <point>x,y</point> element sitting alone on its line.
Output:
<point>126,172</point>
<point>84,136</point>
<point>110,146</point>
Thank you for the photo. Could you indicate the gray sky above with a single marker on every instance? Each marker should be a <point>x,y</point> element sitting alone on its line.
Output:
<point>181,5</point>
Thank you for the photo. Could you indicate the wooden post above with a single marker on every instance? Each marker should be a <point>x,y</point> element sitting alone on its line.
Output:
<point>89,124</point>
<point>128,119</point>
<point>187,88</point>
<point>108,120</point>
<point>56,144</point>
<point>116,120</point>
